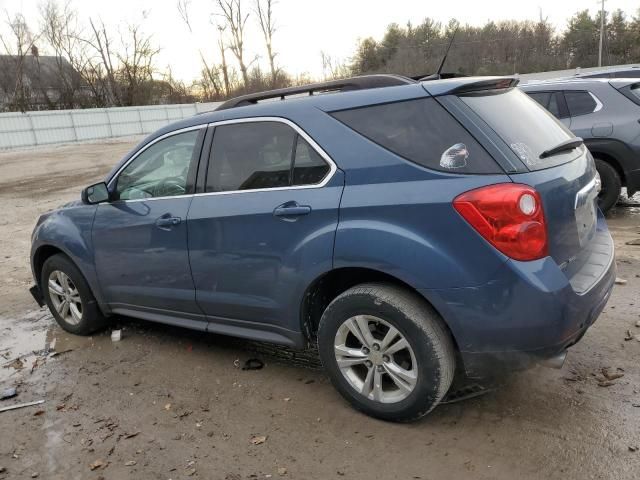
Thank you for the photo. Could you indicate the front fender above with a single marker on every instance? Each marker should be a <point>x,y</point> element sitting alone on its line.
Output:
<point>68,230</point>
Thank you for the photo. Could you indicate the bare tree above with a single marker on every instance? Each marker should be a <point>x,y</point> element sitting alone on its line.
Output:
<point>224,66</point>
<point>61,31</point>
<point>105,71</point>
<point>236,21</point>
<point>264,10</point>
<point>19,44</point>
<point>136,65</point>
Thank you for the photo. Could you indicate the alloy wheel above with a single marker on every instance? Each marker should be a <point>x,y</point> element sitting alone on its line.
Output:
<point>376,359</point>
<point>65,297</point>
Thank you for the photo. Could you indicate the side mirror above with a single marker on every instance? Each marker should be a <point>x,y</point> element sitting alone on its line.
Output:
<point>97,193</point>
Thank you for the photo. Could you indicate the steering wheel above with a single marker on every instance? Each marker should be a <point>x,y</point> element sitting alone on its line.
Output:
<point>170,188</point>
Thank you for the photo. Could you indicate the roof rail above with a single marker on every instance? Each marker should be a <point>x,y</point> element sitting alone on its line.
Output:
<point>354,83</point>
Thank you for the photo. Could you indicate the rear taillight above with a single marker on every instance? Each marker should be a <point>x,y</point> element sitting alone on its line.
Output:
<point>509,216</point>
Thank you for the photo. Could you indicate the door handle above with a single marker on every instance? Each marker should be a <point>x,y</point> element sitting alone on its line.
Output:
<point>166,223</point>
<point>291,209</point>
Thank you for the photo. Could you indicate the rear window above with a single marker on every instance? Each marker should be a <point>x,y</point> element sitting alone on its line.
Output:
<point>524,125</point>
<point>580,103</point>
<point>423,132</point>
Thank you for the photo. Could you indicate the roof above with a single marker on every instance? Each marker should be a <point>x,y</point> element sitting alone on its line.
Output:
<point>573,72</point>
<point>42,71</point>
<point>578,82</point>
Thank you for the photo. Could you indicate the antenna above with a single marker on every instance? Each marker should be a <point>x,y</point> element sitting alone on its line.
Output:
<point>438,74</point>
<point>444,59</point>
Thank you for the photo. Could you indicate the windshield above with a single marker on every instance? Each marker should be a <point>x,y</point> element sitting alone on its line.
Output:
<point>524,125</point>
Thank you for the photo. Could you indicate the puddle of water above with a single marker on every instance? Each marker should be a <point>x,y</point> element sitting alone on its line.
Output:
<point>28,340</point>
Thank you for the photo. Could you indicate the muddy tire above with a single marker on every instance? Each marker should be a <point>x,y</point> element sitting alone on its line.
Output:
<point>69,298</point>
<point>386,351</point>
<point>611,185</point>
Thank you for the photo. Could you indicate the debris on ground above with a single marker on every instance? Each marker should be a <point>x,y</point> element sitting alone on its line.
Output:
<point>258,439</point>
<point>21,405</point>
<point>131,435</point>
<point>130,463</point>
<point>38,413</point>
<point>620,281</point>
<point>282,471</point>
<point>635,241</point>
<point>253,364</point>
<point>611,376</point>
<point>17,364</point>
<point>638,324</point>
<point>628,336</point>
<point>633,448</point>
<point>116,335</point>
<point>8,393</point>
<point>97,464</point>
<point>56,354</point>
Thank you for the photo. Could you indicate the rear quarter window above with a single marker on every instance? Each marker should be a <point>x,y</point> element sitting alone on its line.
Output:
<point>579,102</point>
<point>423,132</point>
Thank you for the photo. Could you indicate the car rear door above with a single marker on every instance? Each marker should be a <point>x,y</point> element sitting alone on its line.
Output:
<point>264,227</point>
<point>140,238</point>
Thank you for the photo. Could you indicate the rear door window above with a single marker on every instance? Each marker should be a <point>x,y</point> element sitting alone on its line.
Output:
<point>524,125</point>
<point>259,155</point>
<point>423,132</point>
<point>579,102</point>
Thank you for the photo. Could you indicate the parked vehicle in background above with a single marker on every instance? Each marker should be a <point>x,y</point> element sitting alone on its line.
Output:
<point>411,229</point>
<point>625,71</point>
<point>606,114</point>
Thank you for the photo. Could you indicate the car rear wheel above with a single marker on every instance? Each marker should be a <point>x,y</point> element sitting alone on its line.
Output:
<point>611,185</point>
<point>386,351</point>
<point>69,297</point>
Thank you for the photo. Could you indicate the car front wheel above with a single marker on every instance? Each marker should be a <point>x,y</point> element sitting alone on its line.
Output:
<point>69,296</point>
<point>386,351</point>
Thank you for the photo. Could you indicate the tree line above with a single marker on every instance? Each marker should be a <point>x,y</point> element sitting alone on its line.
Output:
<point>61,60</point>
<point>500,48</point>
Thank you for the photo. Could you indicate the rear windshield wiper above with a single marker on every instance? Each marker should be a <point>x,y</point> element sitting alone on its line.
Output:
<point>563,147</point>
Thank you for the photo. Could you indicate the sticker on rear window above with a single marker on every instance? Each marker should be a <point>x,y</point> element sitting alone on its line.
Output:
<point>455,156</point>
<point>525,153</point>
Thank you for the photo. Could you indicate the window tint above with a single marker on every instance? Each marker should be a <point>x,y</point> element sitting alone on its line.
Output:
<point>541,97</point>
<point>423,132</point>
<point>524,126</point>
<point>309,167</point>
<point>627,74</point>
<point>161,170</point>
<point>249,156</point>
<point>579,103</point>
<point>553,105</point>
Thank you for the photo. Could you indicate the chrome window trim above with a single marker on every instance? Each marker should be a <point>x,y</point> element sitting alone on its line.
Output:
<point>153,142</point>
<point>598,103</point>
<point>318,149</point>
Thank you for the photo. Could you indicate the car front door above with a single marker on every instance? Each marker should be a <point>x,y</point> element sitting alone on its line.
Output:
<point>264,228</point>
<point>140,237</point>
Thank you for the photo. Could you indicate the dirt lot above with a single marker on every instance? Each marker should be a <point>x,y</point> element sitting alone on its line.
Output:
<point>165,403</point>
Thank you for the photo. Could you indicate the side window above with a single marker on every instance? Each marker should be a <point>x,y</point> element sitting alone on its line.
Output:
<point>161,170</point>
<point>553,106</point>
<point>257,155</point>
<point>579,102</point>
<point>423,132</point>
<point>309,167</point>
<point>541,97</point>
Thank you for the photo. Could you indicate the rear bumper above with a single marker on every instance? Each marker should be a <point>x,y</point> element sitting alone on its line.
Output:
<point>529,313</point>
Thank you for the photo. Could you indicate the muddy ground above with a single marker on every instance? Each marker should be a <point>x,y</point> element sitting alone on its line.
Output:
<point>166,403</point>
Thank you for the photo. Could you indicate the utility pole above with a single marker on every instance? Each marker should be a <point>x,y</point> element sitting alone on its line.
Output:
<point>601,33</point>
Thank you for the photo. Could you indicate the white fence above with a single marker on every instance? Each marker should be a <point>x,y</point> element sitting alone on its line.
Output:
<point>67,126</point>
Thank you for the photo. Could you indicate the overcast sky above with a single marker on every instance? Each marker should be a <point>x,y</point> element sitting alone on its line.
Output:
<point>307,27</point>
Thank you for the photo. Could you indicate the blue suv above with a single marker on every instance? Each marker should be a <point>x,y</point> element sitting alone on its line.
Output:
<point>414,230</point>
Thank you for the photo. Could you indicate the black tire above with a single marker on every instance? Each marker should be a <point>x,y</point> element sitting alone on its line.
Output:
<point>611,185</point>
<point>418,323</point>
<point>91,318</point>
